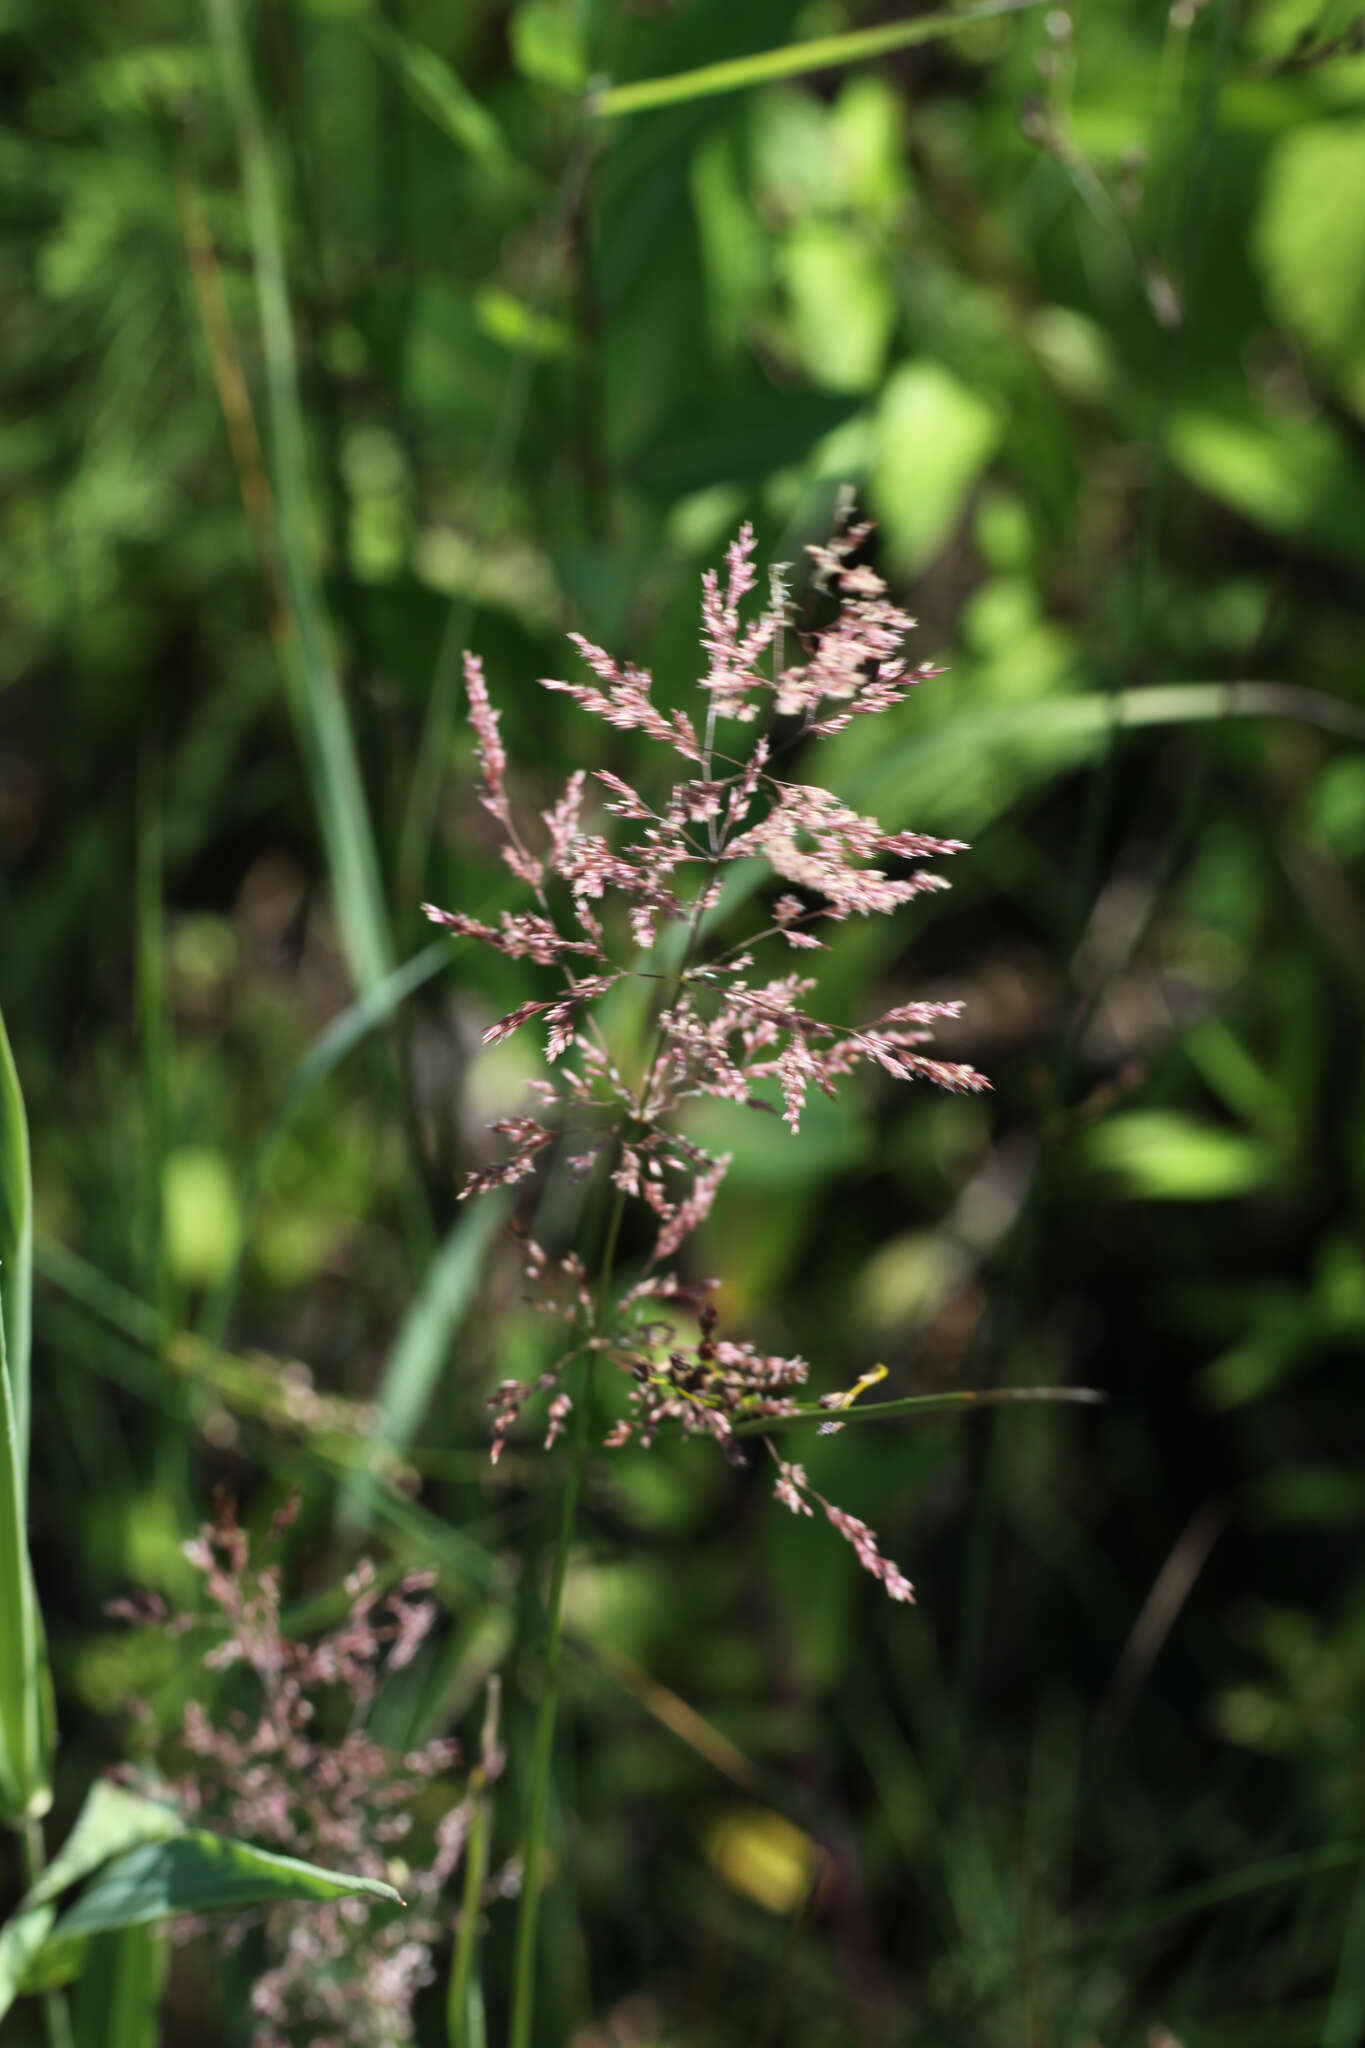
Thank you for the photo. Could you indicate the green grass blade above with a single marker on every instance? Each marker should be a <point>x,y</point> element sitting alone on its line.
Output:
<point>315,689</point>
<point>464,1995</point>
<point>921,1406</point>
<point>135,1358</point>
<point>118,2002</point>
<point>423,1342</point>
<point>27,1726</point>
<point>21,1942</point>
<point>342,1035</point>
<point>821,53</point>
<point>1059,733</point>
<point>16,1246</point>
<point>443,95</point>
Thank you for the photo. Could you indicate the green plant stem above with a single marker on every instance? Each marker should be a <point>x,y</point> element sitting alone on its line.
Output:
<point>56,2018</point>
<point>466,1940</point>
<point>791,60</point>
<point>524,1966</point>
<point>523,1995</point>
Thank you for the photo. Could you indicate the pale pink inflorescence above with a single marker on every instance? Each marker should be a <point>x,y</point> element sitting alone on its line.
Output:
<point>275,1771</point>
<point>722,1029</point>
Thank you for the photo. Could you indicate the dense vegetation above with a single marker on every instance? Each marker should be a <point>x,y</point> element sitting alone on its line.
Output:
<point>345,335</point>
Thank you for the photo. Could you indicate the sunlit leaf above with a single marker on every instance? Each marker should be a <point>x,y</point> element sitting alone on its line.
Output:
<point>1310,239</point>
<point>934,439</point>
<point>1159,1155</point>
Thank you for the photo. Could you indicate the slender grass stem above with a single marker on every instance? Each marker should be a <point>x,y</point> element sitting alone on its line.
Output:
<point>524,1965</point>
<point>56,2018</point>
<point>464,2005</point>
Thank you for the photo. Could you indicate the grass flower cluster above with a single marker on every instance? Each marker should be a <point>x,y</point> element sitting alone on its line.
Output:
<point>642,900</point>
<point>286,1760</point>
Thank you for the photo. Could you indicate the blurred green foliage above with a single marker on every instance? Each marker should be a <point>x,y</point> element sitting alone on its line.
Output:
<point>1075,302</point>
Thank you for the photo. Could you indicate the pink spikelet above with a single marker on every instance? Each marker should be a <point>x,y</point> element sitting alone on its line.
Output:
<point>293,1768</point>
<point>624,878</point>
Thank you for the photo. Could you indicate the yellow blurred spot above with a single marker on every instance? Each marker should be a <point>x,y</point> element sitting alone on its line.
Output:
<point>202,1220</point>
<point>763,1856</point>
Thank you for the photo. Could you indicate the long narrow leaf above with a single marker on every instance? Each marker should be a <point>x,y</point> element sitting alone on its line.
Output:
<point>316,695</point>
<point>27,1727</point>
<point>920,1407</point>
<point>821,53</point>
<point>16,1244</point>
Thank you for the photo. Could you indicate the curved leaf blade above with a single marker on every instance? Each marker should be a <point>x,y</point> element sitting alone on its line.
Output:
<point>199,1872</point>
<point>27,1720</point>
<point>16,1240</point>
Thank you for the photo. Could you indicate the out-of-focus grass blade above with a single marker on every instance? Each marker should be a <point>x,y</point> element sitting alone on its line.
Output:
<point>153,1019</point>
<point>342,1035</point>
<point>1346,2013</point>
<point>160,1374</point>
<point>821,53</point>
<point>423,1342</point>
<point>315,689</point>
<point>1060,733</point>
<point>440,92</point>
<point>118,2000</point>
<point>27,1724</point>
<point>198,1872</point>
<point>464,1993</point>
<point>16,1246</point>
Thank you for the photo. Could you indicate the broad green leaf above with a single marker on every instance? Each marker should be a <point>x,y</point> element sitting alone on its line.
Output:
<point>820,53</point>
<point>117,2004</point>
<point>1161,1156</point>
<point>16,1243</point>
<point>198,1872</point>
<point>1310,240</point>
<point>1289,474</point>
<point>111,1821</point>
<point>546,38</point>
<point>934,438</point>
<point>843,309</point>
<point>27,1723</point>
